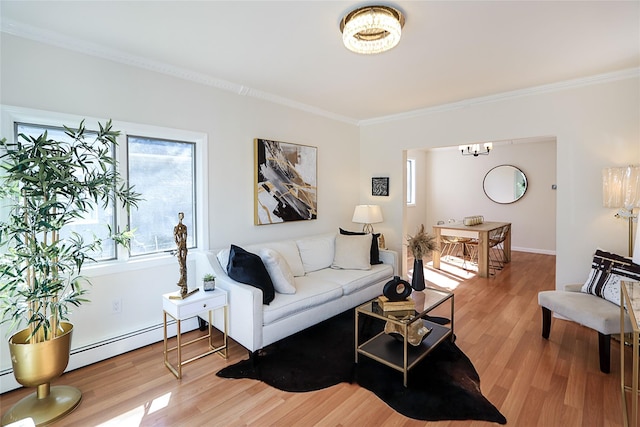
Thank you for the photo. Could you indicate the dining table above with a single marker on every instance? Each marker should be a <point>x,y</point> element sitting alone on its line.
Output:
<point>480,232</point>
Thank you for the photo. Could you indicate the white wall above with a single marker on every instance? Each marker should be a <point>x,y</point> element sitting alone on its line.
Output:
<point>595,126</point>
<point>48,78</point>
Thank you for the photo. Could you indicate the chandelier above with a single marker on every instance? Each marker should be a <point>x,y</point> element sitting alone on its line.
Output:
<point>371,29</point>
<point>474,149</point>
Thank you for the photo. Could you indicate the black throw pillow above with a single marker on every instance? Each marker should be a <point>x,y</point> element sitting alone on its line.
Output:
<point>375,252</point>
<point>245,267</point>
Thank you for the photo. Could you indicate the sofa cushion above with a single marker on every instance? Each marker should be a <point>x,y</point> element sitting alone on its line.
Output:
<point>278,270</point>
<point>246,267</point>
<point>310,292</point>
<point>352,281</point>
<point>352,252</point>
<point>607,271</point>
<point>317,252</point>
<point>375,249</point>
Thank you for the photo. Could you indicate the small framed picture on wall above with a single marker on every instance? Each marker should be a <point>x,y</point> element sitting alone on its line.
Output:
<point>380,186</point>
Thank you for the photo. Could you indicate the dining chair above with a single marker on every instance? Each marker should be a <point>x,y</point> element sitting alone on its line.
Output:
<point>496,249</point>
<point>451,245</point>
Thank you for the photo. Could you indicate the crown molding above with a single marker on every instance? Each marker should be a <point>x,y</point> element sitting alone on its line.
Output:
<point>40,35</point>
<point>536,90</point>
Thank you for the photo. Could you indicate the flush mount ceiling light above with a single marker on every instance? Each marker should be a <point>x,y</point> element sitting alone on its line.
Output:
<point>371,29</point>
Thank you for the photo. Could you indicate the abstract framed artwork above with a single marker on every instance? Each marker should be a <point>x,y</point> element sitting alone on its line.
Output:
<point>285,183</point>
<point>380,186</point>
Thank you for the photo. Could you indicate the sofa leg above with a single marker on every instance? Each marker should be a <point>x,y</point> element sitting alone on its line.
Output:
<point>254,356</point>
<point>604,349</point>
<point>546,322</point>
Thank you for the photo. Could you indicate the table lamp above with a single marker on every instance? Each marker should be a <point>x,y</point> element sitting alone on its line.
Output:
<point>367,215</point>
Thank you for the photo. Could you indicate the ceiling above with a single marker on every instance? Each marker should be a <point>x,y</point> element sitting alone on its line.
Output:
<point>292,52</point>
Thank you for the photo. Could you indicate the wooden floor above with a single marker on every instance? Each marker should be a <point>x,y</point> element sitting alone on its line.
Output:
<point>532,381</point>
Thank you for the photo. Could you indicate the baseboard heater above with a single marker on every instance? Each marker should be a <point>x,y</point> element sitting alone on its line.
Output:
<point>107,348</point>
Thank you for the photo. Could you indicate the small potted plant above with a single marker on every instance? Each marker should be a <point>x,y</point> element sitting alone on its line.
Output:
<point>209,282</point>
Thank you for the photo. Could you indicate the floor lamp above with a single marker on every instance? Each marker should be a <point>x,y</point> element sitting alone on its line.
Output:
<point>636,248</point>
<point>621,190</point>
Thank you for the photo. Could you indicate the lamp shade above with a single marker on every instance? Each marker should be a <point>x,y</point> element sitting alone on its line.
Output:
<point>367,214</point>
<point>621,187</point>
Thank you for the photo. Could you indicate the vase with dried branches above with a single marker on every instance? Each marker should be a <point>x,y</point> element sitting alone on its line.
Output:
<point>420,245</point>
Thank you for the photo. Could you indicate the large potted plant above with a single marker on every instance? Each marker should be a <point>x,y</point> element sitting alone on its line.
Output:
<point>46,185</point>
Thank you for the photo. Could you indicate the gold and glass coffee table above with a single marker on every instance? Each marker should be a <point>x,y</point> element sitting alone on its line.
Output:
<point>393,347</point>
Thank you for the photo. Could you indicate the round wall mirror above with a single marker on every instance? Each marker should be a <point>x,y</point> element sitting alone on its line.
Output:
<point>505,184</point>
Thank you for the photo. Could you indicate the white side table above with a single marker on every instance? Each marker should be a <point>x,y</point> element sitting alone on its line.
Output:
<point>182,309</point>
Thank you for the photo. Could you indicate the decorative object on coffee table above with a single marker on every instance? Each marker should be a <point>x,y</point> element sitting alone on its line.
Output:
<point>420,245</point>
<point>396,289</point>
<point>208,282</point>
<point>180,236</point>
<point>416,331</point>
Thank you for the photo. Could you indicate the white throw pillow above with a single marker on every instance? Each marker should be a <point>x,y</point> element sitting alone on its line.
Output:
<point>352,252</point>
<point>223,258</point>
<point>289,251</point>
<point>317,252</point>
<point>278,270</point>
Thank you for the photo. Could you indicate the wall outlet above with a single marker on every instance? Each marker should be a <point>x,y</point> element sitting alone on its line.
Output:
<point>116,305</point>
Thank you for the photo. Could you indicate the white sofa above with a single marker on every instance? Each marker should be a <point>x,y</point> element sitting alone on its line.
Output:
<point>320,290</point>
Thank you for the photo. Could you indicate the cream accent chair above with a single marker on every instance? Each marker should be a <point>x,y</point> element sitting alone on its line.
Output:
<point>588,310</point>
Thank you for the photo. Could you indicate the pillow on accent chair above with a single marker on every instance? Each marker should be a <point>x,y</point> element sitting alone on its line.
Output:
<point>279,271</point>
<point>607,271</point>
<point>247,268</point>
<point>375,251</point>
<point>352,252</point>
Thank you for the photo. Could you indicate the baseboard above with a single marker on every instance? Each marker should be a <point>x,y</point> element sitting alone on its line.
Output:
<point>533,250</point>
<point>108,348</point>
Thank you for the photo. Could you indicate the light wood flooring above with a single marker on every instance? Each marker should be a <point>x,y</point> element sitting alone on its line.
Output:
<point>532,381</point>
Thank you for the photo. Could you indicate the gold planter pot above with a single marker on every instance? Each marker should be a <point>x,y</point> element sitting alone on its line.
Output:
<point>36,365</point>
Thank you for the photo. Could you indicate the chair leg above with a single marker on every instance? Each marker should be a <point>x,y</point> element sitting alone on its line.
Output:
<point>546,322</point>
<point>604,349</point>
<point>604,341</point>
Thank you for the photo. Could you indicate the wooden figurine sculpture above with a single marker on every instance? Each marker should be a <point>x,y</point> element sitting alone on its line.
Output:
<point>180,236</point>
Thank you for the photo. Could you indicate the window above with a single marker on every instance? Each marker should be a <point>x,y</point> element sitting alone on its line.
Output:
<point>411,182</point>
<point>167,166</point>
<point>93,224</point>
<point>163,171</point>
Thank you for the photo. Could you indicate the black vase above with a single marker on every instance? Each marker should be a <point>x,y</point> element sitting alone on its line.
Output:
<point>417,281</point>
